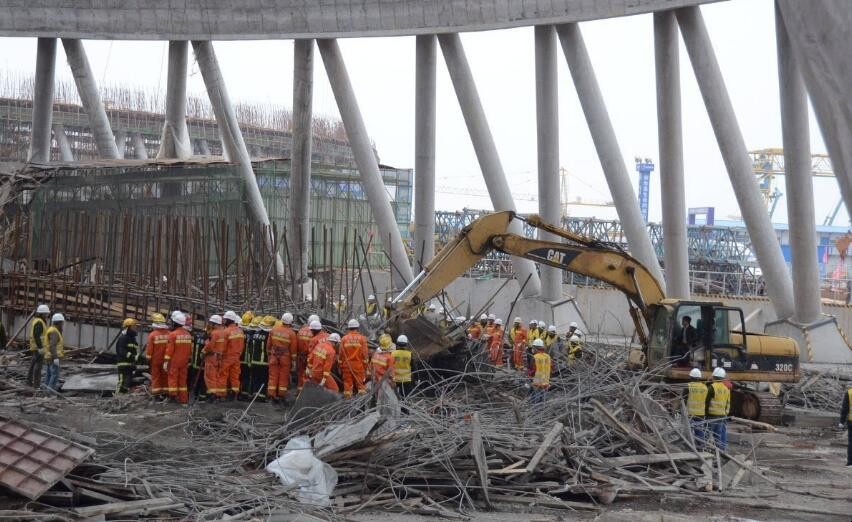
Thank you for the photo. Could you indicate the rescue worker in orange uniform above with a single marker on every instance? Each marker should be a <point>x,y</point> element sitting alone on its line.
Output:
<point>282,347</point>
<point>304,349</point>
<point>495,344</point>
<point>488,329</point>
<point>178,350</point>
<point>156,352</point>
<point>318,335</point>
<point>235,344</point>
<point>381,363</point>
<point>321,361</point>
<point>518,336</point>
<point>540,372</point>
<point>214,353</point>
<point>353,359</point>
<point>474,332</point>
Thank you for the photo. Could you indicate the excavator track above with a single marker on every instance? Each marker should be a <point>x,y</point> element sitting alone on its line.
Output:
<point>758,406</point>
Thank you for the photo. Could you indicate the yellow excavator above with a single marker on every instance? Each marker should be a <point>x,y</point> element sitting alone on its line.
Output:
<point>719,338</point>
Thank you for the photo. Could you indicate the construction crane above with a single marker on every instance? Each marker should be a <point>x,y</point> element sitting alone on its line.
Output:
<point>644,167</point>
<point>769,163</point>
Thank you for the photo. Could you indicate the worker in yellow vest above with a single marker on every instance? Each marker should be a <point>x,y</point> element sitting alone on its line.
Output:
<point>402,376</point>
<point>540,370</point>
<point>846,420</point>
<point>54,350</point>
<point>696,405</point>
<point>718,408</point>
<point>38,330</point>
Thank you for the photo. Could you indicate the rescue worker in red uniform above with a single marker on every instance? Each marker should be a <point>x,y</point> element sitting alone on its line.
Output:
<point>236,341</point>
<point>282,348</point>
<point>474,332</point>
<point>156,352</point>
<point>321,361</point>
<point>178,350</point>
<point>353,360</point>
<point>214,353</point>
<point>518,336</point>
<point>495,344</point>
<point>304,349</point>
<point>381,363</point>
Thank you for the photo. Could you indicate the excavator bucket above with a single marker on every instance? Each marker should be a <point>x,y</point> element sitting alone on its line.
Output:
<point>425,337</point>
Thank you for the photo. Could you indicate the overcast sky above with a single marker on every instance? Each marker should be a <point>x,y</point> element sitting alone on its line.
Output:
<point>382,72</point>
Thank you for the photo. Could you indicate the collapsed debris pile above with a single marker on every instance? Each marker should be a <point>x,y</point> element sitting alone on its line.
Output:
<point>458,444</point>
<point>817,390</point>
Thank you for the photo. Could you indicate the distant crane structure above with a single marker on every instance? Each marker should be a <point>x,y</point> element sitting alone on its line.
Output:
<point>644,167</point>
<point>565,199</point>
<point>769,163</point>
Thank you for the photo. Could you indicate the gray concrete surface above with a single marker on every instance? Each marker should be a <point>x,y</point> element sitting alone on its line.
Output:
<point>45,72</point>
<point>174,142</point>
<point>300,176</point>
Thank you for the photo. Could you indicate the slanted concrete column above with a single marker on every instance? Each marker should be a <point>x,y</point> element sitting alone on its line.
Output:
<point>735,154</point>
<point>91,100</point>
<point>670,136</point>
<point>139,150</point>
<point>424,149</point>
<point>798,179</point>
<point>65,153</point>
<point>486,150</point>
<point>40,142</point>
<point>547,132</point>
<point>121,142</point>
<point>606,144</point>
<point>174,141</point>
<point>300,171</point>
<point>232,137</point>
<point>368,166</point>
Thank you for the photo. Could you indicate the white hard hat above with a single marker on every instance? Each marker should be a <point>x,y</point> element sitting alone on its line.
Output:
<point>342,297</point>
<point>353,323</point>
<point>316,325</point>
<point>541,323</point>
<point>287,318</point>
<point>431,306</point>
<point>370,297</point>
<point>389,299</point>
<point>43,309</point>
<point>498,321</point>
<point>232,316</point>
<point>312,318</point>
<point>551,328</point>
<point>719,373</point>
<point>533,322</point>
<point>216,319</point>
<point>483,317</point>
<point>334,338</point>
<point>402,339</point>
<point>572,325</point>
<point>518,320</point>
<point>538,342</point>
<point>491,317</point>
<point>57,318</point>
<point>178,318</point>
<point>461,319</point>
<point>575,338</point>
<point>695,373</point>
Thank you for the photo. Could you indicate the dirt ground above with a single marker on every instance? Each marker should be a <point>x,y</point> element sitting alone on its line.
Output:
<point>807,466</point>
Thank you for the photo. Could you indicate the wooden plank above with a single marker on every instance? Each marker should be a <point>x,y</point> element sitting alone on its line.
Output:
<point>545,445</point>
<point>477,449</point>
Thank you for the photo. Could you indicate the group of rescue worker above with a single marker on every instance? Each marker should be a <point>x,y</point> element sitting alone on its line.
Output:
<point>46,346</point>
<point>257,357</point>
<point>708,405</point>
<point>531,350</point>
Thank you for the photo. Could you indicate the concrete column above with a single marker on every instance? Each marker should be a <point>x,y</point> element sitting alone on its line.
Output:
<point>233,141</point>
<point>139,150</point>
<point>424,149</point>
<point>547,131</point>
<point>121,143</point>
<point>486,150</point>
<point>368,166</point>
<point>65,153</point>
<point>203,147</point>
<point>174,141</point>
<point>40,142</point>
<point>609,153</point>
<point>92,104</point>
<point>300,171</point>
<point>798,179</point>
<point>734,152</point>
<point>670,136</point>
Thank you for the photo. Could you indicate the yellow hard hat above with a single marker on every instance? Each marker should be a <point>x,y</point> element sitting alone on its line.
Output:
<point>278,323</point>
<point>385,340</point>
<point>248,317</point>
<point>158,318</point>
<point>130,322</point>
<point>255,322</point>
<point>268,321</point>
